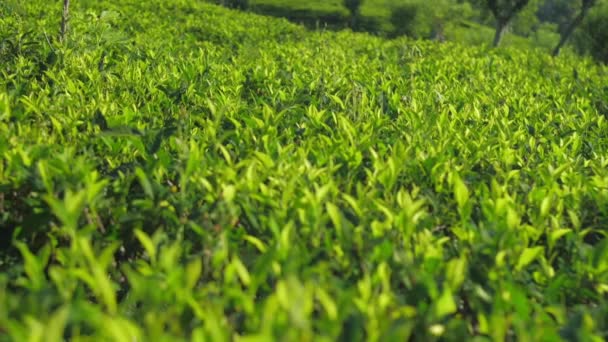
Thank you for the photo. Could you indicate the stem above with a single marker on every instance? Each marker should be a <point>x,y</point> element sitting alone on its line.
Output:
<point>501,27</point>
<point>579,18</point>
<point>64,19</point>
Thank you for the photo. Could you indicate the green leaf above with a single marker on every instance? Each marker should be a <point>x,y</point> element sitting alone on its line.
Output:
<point>147,243</point>
<point>33,266</point>
<point>545,206</point>
<point>267,162</point>
<point>225,153</point>
<point>557,234</point>
<point>102,285</point>
<point>334,214</point>
<point>327,302</point>
<point>229,193</point>
<point>193,272</point>
<point>456,272</point>
<point>527,256</point>
<point>337,100</point>
<point>55,327</point>
<point>256,242</point>
<point>69,210</point>
<point>445,304</point>
<point>460,192</point>
<point>241,271</point>
<point>144,182</point>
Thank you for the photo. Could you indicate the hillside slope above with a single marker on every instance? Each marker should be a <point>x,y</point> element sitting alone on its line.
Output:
<point>175,170</point>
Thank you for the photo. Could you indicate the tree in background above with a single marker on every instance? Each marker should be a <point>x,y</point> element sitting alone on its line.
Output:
<point>404,20</point>
<point>559,12</point>
<point>504,11</point>
<point>354,8</point>
<point>429,20</point>
<point>527,22</point>
<point>592,36</point>
<point>237,4</point>
<point>565,35</point>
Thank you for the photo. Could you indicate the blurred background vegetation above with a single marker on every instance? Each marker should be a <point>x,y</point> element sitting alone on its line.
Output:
<point>536,24</point>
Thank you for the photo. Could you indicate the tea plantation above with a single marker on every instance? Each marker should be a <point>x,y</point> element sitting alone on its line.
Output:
<point>173,170</point>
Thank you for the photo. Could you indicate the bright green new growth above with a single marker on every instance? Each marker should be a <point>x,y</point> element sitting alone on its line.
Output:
<point>180,171</point>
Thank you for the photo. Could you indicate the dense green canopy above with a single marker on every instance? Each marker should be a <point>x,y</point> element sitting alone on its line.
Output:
<point>175,170</point>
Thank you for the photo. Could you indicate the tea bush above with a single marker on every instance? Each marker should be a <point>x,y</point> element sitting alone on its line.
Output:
<point>176,170</point>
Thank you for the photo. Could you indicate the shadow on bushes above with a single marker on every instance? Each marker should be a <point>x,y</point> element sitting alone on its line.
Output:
<point>309,18</point>
<point>403,19</point>
<point>371,25</point>
<point>237,4</point>
<point>312,19</point>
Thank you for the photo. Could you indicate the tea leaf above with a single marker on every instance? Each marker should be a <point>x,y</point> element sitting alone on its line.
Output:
<point>147,243</point>
<point>527,256</point>
<point>460,192</point>
<point>445,304</point>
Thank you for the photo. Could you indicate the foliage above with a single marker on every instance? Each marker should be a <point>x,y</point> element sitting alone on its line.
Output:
<point>313,14</point>
<point>354,9</point>
<point>403,18</point>
<point>176,170</point>
<point>423,19</point>
<point>353,6</point>
<point>527,22</point>
<point>560,12</point>
<point>450,19</point>
<point>592,36</point>
<point>238,4</point>
<point>467,22</point>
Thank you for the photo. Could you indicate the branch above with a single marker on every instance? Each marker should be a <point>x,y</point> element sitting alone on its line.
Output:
<point>64,19</point>
<point>494,8</point>
<point>587,4</point>
<point>520,5</point>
